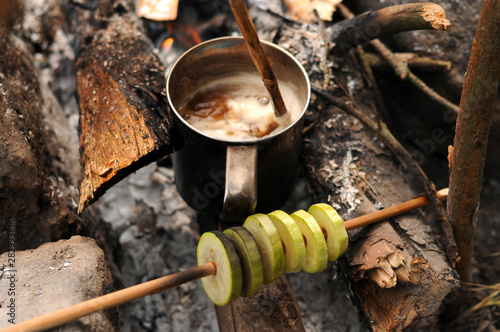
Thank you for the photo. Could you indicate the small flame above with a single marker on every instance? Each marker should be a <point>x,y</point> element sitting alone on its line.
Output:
<point>167,44</point>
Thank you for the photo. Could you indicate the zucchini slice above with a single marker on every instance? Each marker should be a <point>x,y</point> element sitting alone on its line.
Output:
<point>269,243</point>
<point>225,286</point>
<point>336,236</point>
<point>316,251</point>
<point>292,240</point>
<point>251,260</point>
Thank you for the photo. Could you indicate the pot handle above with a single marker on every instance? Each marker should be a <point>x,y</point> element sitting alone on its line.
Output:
<point>240,193</point>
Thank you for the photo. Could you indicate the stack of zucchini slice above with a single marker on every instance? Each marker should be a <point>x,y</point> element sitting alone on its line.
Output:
<point>267,246</point>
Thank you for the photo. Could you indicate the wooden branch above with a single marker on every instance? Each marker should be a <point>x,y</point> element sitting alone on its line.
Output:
<point>413,61</point>
<point>404,73</point>
<point>402,69</point>
<point>123,118</point>
<point>409,162</point>
<point>473,126</point>
<point>379,103</point>
<point>387,21</point>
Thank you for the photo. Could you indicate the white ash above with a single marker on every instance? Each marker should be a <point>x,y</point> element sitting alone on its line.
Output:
<point>156,237</point>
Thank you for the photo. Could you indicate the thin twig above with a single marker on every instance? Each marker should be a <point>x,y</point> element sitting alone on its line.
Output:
<point>413,61</point>
<point>407,161</point>
<point>399,67</point>
<point>326,50</point>
<point>311,126</point>
<point>372,82</point>
<point>402,70</point>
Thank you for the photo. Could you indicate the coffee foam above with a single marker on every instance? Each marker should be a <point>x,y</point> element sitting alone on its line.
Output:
<point>238,107</point>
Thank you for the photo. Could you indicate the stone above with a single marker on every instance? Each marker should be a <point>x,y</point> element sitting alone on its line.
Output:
<point>56,275</point>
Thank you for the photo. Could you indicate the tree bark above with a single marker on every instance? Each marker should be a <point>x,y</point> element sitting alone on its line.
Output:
<point>123,108</point>
<point>39,168</point>
<point>471,138</point>
<point>273,308</point>
<point>397,273</point>
<point>385,22</point>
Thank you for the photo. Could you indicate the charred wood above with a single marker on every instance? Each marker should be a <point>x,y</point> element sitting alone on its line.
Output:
<point>385,22</point>
<point>39,168</point>
<point>273,308</point>
<point>391,263</point>
<point>123,120</point>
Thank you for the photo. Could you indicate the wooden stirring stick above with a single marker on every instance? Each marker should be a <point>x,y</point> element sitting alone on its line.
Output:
<point>66,315</point>
<point>259,58</point>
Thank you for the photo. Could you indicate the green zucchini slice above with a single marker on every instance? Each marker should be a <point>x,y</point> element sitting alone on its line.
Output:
<point>316,251</point>
<point>292,240</point>
<point>269,243</point>
<point>251,260</point>
<point>225,286</point>
<point>336,236</point>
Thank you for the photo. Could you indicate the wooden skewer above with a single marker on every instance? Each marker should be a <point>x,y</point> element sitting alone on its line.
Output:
<point>240,13</point>
<point>392,211</point>
<point>107,301</point>
<point>66,315</point>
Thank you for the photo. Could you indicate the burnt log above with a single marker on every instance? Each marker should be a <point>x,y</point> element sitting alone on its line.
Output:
<point>39,168</point>
<point>398,273</point>
<point>123,120</point>
<point>273,308</point>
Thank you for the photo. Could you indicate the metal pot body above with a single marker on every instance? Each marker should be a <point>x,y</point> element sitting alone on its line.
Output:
<point>230,179</point>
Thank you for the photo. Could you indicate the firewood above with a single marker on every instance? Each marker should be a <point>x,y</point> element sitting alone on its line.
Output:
<point>123,118</point>
<point>11,11</point>
<point>39,167</point>
<point>387,21</point>
<point>274,308</point>
<point>414,61</point>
